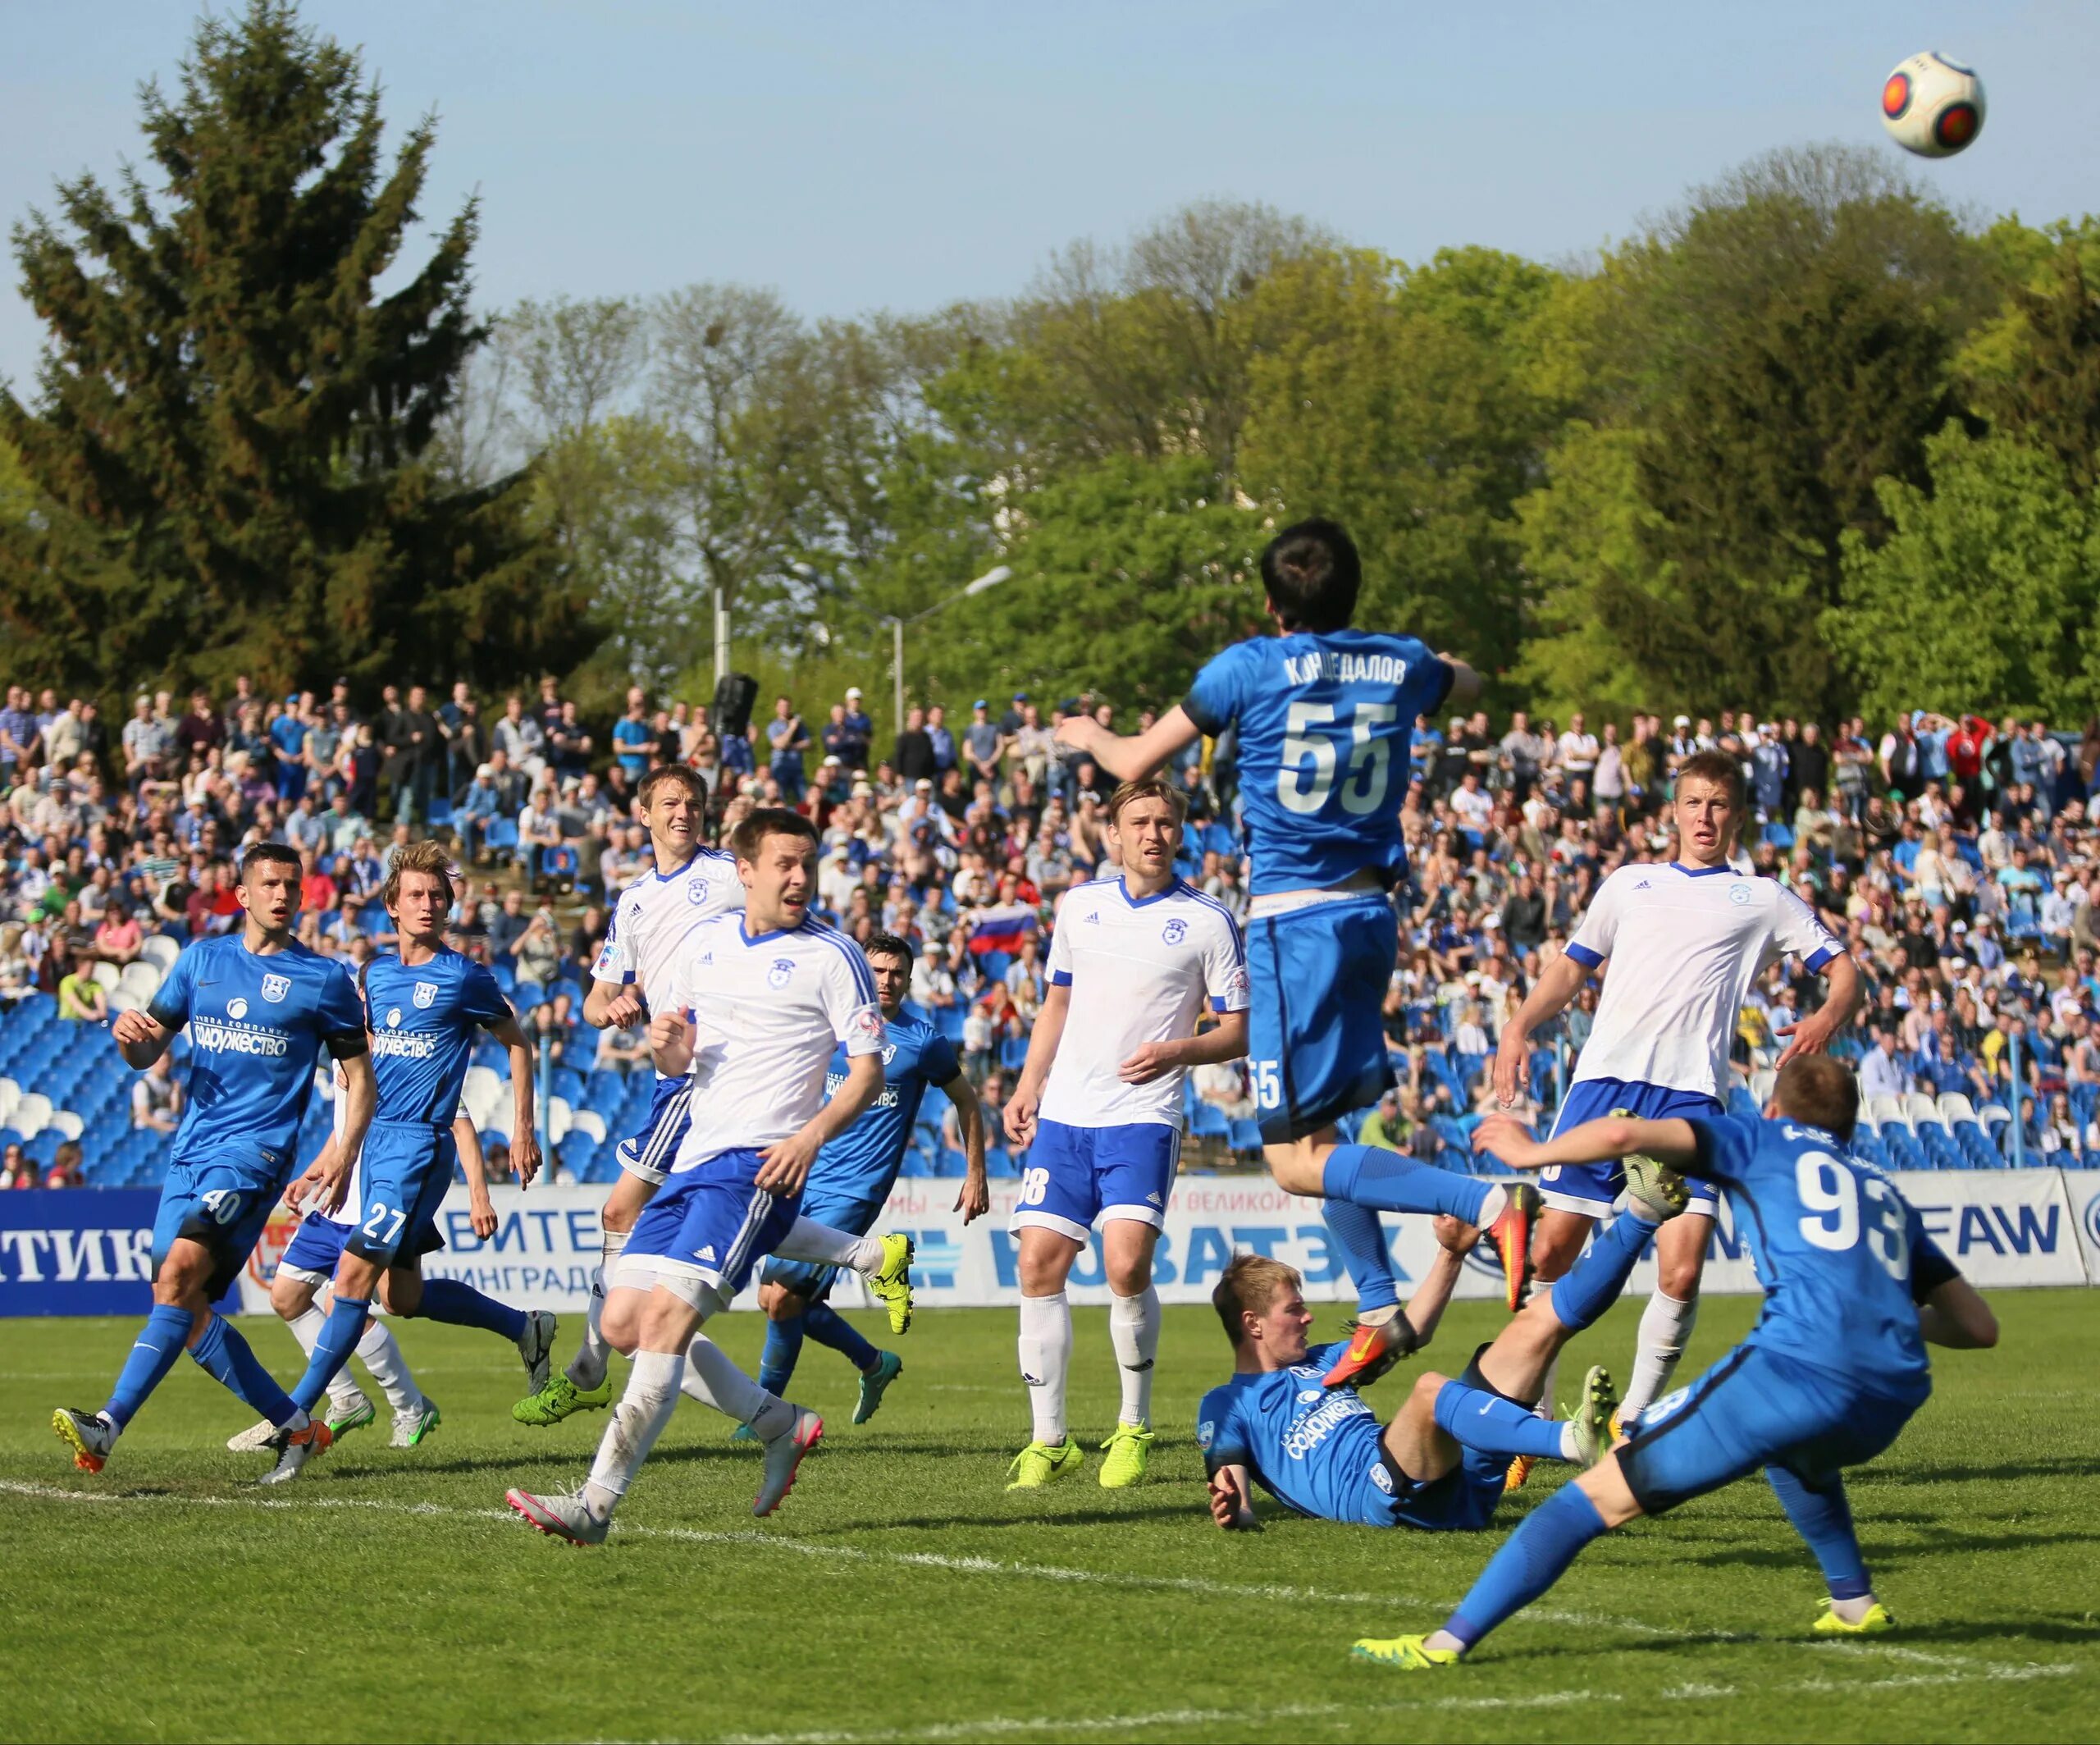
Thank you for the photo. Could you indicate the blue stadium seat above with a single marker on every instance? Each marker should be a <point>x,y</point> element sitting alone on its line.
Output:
<point>1208,1121</point>
<point>1245,1135</point>
<point>501,836</point>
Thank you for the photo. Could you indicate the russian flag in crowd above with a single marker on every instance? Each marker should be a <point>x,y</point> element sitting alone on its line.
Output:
<point>1003,928</point>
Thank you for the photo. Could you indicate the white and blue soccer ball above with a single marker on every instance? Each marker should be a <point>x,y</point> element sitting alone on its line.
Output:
<point>1932,106</point>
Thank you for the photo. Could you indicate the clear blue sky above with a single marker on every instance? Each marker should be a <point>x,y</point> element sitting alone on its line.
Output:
<point>858,156</point>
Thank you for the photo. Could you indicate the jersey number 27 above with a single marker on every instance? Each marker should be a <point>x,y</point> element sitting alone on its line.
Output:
<point>1365,777</point>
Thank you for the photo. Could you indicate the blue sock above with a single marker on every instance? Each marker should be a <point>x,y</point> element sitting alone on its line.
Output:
<point>825,1325</point>
<point>1825,1519</point>
<point>225,1356</point>
<point>340,1334</point>
<point>1355,1234</point>
<point>456,1301</point>
<point>1594,1282</point>
<point>1480,1419</point>
<point>160,1342</point>
<point>784,1348</point>
<point>1386,1181</point>
<point>1543,1546</point>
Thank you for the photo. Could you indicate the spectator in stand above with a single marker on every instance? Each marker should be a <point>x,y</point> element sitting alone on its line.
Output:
<point>569,743</point>
<point>119,938</point>
<point>521,737</point>
<point>858,745</point>
<point>787,742</point>
<point>459,725</point>
<point>17,1168</point>
<point>537,953</point>
<point>65,1171</point>
<point>982,742</point>
<point>941,741</point>
<point>80,996</point>
<point>913,762</point>
<point>635,743</point>
<point>1882,1074</point>
<point>156,1099</point>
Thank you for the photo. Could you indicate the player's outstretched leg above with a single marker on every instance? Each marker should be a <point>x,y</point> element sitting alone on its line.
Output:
<point>885,1262</point>
<point>1822,1517</point>
<point>584,1385</point>
<point>788,1432</point>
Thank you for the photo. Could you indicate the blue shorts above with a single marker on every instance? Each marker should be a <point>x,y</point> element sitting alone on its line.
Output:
<point>1463,1501</point>
<point>1075,1177</point>
<point>314,1248</point>
<point>1316,1030</point>
<point>712,1223</point>
<point>222,1203</point>
<point>649,1152</point>
<point>408,1169</point>
<point>1591,1188</point>
<point>855,1214</point>
<point>1755,1409</point>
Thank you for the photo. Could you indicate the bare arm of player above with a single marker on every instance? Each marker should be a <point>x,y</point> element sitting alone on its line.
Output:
<point>329,1180</point>
<point>612,1006</point>
<point>1042,1051</point>
<point>1956,1315</point>
<point>481,1210</point>
<point>1232,1504</point>
<point>974,1198</point>
<point>1128,760</point>
<point>670,1042</point>
<point>140,1039</point>
<point>524,1133</point>
<point>1465,683</point>
<point>1812,1034</point>
<point>1425,1309</point>
<point>1557,984</point>
<point>786,1165</point>
<point>1226,1039</point>
<point>1603,1141</point>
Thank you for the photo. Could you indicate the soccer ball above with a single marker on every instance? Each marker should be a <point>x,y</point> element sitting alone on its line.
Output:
<point>1932,106</point>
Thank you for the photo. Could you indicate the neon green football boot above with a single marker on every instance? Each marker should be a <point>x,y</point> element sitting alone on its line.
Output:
<point>341,1423</point>
<point>1126,1450</point>
<point>1408,1653</point>
<point>561,1398</point>
<point>892,1284</point>
<point>1039,1464</point>
<point>1876,1621</point>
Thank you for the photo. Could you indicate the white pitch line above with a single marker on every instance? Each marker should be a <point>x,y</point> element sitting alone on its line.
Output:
<point>1000,1726</point>
<point>856,1554</point>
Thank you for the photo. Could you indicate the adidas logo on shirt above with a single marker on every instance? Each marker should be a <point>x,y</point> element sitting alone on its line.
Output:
<point>1094,919</point>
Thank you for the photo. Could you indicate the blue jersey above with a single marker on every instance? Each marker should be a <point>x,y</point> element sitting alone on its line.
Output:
<point>1326,724</point>
<point>1312,1448</point>
<point>862,1162</point>
<point>423,1021</point>
<point>256,1028</point>
<point>1843,1257</point>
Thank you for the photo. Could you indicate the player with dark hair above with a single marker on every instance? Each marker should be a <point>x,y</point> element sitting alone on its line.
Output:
<point>1326,715</point>
<point>259,1007</point>
<point>1834,1368</point>
<point>850,1181</point>
<point>425,1003</point>
<point>1686,941</point>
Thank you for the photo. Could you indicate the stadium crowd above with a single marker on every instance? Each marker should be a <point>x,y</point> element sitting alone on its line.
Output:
<point>1957,858</point>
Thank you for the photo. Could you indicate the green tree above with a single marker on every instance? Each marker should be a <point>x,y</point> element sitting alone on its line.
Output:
<point>233,435</point>
<point>1984,594</point>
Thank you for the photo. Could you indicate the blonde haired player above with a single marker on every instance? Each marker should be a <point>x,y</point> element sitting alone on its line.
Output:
<point>1133,961</point>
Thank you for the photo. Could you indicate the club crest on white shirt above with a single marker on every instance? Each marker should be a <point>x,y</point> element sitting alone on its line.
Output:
<point>696,891</point>
<point>275,988</point>
<point>784,968</point>
<point>426,992</point>
<point>1175,931</point>
<point>1738,893</point>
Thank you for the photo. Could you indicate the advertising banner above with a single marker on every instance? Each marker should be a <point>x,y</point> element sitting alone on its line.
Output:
<point>79,1251</point>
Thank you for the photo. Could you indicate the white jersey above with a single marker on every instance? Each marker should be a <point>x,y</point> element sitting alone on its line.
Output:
<point>767,1013</point>
<point>346,1214</point>
<point>1686,944</point>
<point>1140,972</point>
<point>654,914</point>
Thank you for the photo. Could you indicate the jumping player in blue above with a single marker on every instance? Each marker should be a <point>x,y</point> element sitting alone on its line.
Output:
<point>260,1007</point>
<point>424,1004</point>
<point>1832,1370</point>
<point>1441,1464</point>
<point>849,1182</point>
<point>1325,716</point>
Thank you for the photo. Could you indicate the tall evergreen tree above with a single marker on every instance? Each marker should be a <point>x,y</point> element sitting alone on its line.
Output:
<point>234,432</point>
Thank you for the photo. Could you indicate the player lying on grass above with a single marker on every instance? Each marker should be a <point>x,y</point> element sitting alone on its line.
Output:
<point>260,1007</point>
<point>1832,1370</point>
<point>425,1004</point>
<point>752,1008</point>
<point>1440,1465</point>
<point>850,1183</point>
<point>301,1283</point>
<point>1326,715</point>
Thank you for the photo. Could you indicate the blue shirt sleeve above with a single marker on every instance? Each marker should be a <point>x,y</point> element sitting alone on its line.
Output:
<point>170,1005</point>
<point>1929,1266</point>
<point>1726,1143</point>
<point>1220,693</point>
<point>483,999</point>
<point>937,1061</point>
<point>339,1014</point>
<point>1429,679</point>
<point>1220,1433</point>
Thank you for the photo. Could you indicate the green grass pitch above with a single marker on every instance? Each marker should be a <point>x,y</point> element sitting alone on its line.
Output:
<point>901,1594</point>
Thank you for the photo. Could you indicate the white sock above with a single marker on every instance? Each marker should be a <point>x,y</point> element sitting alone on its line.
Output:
<point>1134,1330</point>
<point>1494,1206</point>
<point>652,1397</point>
<point>586,1369</point>
<point>306,1328</point>
<point>1568,1441</point>
<point>1666,1327</point>
<point>1852,1610</point>
<point>809,1241</point>
<point>713,1379</point>
<point>379,1354</point>
<point>1046,1354</point>
<point>1544,1408</point>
